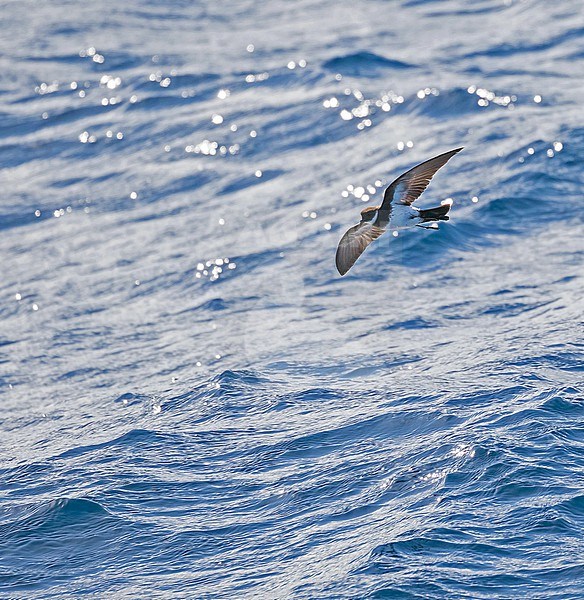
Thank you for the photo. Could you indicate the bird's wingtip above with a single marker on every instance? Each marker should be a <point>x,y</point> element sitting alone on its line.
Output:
<point>341,268</point>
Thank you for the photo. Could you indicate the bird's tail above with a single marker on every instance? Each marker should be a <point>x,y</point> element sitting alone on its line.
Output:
<point>435,214</point>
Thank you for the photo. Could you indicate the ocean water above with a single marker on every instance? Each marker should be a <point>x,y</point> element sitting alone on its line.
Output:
<point>193,403</point>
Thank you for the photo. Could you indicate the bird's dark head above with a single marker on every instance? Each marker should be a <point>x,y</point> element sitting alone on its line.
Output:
<point>368,214</point>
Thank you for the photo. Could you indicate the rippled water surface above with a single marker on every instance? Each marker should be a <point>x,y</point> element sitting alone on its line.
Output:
<point>194,403</point>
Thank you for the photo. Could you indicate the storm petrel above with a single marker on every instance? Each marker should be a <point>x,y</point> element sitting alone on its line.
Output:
<point>396,211</point>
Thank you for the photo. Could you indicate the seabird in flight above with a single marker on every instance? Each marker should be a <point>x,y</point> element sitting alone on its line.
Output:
<point>396,211</point>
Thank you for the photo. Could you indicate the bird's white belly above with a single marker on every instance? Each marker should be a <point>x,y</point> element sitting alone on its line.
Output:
<point>403,216</point>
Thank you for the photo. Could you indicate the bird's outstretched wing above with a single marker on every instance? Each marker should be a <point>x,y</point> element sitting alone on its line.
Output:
<point>408,187</point>
<point>353,243</point>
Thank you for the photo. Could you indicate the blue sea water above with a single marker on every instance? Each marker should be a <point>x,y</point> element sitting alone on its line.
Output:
<point>193,403</point>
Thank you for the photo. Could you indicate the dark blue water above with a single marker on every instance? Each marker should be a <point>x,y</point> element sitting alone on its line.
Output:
<point>194,403</point>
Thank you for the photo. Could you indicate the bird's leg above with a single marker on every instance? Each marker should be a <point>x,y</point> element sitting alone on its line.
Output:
<point>432,226</point>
